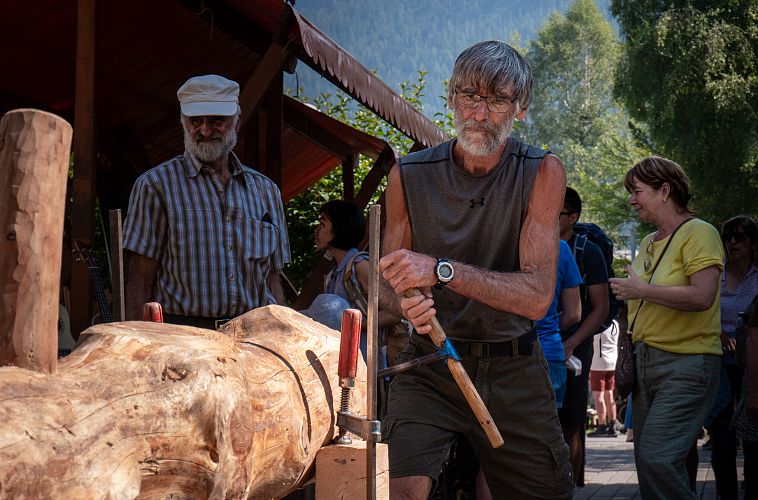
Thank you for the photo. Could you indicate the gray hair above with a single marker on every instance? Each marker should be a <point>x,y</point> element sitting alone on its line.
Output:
<point>489,66</point>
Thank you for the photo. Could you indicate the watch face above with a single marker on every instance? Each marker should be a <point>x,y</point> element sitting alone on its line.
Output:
<point>445,271</point>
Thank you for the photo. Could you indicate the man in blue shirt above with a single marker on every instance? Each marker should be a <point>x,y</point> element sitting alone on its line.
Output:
<point>549,328</point>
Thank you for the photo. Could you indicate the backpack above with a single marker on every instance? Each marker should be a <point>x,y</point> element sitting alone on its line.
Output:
<point>587,231</point>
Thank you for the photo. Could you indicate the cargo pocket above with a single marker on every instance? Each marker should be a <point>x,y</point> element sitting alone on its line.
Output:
<point>564,479</point>
<point>387,425</point>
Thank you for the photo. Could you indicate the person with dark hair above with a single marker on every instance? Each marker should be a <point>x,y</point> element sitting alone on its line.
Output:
<point>745,421</point>
<point>577,341</point>
<point>739,286</point>
<point>340,230</point>
<point>473,224</point>
<point>674,316</point>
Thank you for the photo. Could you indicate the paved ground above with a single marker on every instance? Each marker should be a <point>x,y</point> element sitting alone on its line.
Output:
<point>610,472</point>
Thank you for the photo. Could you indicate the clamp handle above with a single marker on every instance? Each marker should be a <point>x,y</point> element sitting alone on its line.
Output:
<point>351,336</point>
<point>152,311</point>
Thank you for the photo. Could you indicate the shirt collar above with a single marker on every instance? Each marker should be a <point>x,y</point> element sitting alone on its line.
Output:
<point>343,263</point>
<point>194,166</point>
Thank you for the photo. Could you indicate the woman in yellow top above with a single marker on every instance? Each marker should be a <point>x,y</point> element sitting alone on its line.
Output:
<point>674,314</point>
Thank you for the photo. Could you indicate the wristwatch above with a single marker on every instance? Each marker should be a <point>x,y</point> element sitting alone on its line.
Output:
<point>444,272</point>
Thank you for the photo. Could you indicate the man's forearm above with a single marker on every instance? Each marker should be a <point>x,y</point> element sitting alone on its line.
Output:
<point>277,289</point>
<point>388,299</point>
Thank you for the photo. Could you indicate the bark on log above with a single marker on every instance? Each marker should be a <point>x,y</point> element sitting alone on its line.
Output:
<point>34,153</point>
<point>151,410</point>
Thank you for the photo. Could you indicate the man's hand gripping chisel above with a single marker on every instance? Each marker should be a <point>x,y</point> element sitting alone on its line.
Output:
<point>461,378</point>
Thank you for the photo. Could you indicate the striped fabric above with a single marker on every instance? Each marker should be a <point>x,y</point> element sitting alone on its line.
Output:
<point>215,244</point>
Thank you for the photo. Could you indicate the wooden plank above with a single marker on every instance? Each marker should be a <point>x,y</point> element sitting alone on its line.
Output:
<point>34,154</point>
<point>117,266</point>
<point>341,472</point>
<point>83,208</point>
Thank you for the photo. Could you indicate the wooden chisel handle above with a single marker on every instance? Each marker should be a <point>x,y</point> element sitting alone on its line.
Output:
<point>464,382</point>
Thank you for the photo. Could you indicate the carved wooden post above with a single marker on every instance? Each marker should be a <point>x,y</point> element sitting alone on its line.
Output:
<point>34,155</point>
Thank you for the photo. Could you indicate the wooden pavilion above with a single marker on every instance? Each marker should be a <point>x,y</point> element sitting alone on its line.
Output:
<point>112,69</point>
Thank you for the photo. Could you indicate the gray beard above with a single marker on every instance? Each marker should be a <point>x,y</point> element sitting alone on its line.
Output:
<point>208,151</point>
<point>481,145</point>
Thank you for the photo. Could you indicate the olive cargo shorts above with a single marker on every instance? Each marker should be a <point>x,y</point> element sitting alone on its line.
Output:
<point>427,411</point>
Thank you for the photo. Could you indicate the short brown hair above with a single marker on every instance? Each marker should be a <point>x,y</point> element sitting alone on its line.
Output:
<point>655,171</point>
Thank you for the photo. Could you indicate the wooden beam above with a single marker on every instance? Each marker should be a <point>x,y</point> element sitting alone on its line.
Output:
<point>373,179</point>
<point>83,209</point>
<point>34,153</point>
<point>265,78</point>
<point>274,122</point>
<point>348,176</point>
<point>317,135</point>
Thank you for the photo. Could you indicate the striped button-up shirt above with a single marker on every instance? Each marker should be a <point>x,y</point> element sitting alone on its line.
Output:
<point>215,244</point>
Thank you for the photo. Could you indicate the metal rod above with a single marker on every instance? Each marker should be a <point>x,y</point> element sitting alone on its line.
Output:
<point>409,365</point>
<point>372,332</point>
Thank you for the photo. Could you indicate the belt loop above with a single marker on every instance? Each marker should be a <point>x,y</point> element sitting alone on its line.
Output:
<point>514,346</point>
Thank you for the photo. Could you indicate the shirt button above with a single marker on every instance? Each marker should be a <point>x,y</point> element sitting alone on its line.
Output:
<point>228,218</point>
<point>231,277</point>
<point>229,248</point>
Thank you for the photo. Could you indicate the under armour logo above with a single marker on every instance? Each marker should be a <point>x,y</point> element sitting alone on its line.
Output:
<point>475,203</point>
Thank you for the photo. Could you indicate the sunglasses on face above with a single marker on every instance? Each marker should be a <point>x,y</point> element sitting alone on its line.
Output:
<point>738,237</point>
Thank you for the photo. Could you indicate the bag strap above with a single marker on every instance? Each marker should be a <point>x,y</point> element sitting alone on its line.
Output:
<point>642,301</point>
<point>356,295</point>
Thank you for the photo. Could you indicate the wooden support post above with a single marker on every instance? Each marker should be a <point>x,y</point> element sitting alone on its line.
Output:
<point>117,266</point>
<point>83,209</point>
<point>348,175</point>
<point>341,472</point>
<point>34,153</point>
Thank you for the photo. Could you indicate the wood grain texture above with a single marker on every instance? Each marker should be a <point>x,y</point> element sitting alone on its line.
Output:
<point>34,154</point>
<point>151,410</point>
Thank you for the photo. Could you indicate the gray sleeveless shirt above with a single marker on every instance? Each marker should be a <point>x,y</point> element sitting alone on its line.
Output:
<point>476,220</point>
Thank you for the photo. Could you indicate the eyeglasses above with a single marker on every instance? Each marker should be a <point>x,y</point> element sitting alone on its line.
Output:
<point>495,103</point>
<point>564,213</point>
<point>646,263</point>
<point>738,237</point>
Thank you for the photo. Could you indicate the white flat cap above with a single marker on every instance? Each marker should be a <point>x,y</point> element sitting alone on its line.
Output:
<point>209,95</point>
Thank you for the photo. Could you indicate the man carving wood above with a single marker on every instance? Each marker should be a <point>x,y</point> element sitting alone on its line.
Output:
<point>477,219</point>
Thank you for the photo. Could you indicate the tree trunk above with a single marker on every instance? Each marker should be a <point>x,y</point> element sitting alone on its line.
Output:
<point>34,153</point>
<point>151,410</point>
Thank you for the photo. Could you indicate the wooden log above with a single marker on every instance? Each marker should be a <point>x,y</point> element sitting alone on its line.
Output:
<point>34,154</point>
<point>156,410</point>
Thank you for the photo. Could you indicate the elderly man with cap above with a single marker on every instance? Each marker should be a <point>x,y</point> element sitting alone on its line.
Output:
<point>206,234</point>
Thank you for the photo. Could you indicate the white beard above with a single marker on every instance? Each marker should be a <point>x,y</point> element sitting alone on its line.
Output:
<point>210,149</point>
<point>481,138</point>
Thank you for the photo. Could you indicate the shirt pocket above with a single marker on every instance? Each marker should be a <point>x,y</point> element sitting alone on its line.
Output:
<point>259,239</point>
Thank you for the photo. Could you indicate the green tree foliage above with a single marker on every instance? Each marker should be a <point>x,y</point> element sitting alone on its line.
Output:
<point>689,71</point>
<point>574,58</point>
<point>303,210</point>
